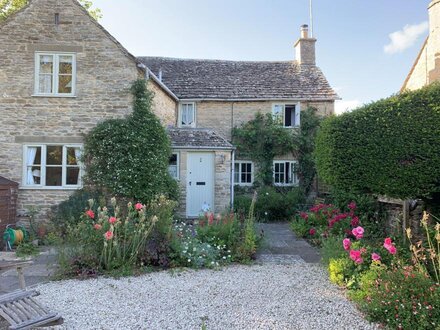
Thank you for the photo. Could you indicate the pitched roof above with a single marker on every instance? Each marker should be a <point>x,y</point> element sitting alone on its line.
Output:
<point>197,138</point>
<point>239,80</point>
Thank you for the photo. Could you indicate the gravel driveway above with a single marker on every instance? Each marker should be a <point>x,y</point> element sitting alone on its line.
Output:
<point>296,296</point>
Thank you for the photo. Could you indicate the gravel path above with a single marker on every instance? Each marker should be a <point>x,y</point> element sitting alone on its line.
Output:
<point>296,296</point>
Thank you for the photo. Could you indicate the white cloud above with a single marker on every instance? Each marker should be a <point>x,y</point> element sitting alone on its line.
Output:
<point>346,105</point>
<point>405,38</point>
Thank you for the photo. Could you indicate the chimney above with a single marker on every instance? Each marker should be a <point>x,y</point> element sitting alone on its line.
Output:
<point>305,47</point>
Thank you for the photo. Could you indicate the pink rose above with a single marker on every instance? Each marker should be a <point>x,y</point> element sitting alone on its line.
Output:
<point>387,241</point>
<point>108,235</point>
<point>392,249</point>
<point>359,260</point>
<point>375,257</point>
<point>356,256</point>
<point>112,220</point>
<point>138,206</point>
<point>358,232</point>
<point>97,226</point>
<point>312,231</point>
<point>346,243</point>
<point>90,214</point>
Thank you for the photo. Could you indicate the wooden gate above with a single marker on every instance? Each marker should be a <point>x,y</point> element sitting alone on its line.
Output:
<point>8,204</point>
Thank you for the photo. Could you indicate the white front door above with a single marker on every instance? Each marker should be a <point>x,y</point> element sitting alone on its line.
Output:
<point>199,183</point>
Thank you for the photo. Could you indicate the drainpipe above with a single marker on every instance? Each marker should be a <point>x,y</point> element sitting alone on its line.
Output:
<point>232,177</point>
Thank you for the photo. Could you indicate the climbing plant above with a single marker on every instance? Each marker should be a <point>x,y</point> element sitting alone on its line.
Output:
<point>260,140</point>
<point>129,157</point>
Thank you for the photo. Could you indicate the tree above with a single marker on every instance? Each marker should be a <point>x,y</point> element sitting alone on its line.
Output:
<point>129,157</point>
<point>8,7</point>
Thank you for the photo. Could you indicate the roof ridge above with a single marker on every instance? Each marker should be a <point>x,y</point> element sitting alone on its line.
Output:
<point>210,60</point>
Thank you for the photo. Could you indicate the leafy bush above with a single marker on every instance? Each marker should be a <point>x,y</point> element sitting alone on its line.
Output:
<point>331,248</point>
<point>403,298</point>
<point>340,270</point>
<point>273,204</point>
<point>389,147</point>
<point>129,157</point>
<point>69,212</point>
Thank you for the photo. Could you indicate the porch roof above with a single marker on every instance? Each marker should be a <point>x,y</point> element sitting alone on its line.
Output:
<point>197,138</point>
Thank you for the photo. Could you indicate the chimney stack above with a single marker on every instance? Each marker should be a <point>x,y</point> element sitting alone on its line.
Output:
<point>305,48</point>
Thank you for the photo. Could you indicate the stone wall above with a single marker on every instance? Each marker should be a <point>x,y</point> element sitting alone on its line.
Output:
<point>163,105</point>
<point>223,116</point>
<point>105,73</point>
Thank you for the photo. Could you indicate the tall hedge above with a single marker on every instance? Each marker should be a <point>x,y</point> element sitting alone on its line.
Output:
<point>389,147</point>
<point>129,157</point>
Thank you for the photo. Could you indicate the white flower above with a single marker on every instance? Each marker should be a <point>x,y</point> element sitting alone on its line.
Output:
<point>189,260</point>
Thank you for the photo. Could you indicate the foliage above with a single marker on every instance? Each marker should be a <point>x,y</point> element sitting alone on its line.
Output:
<point>331,248</point>
<point>403,298</point>
<point>260,140</point>
<point>272,204</point>
<point>340,269</point>
<point>389,147</point>
<point>9,7</point>
<point>426,253</point>
<point>129,157</point>
<point>305,141</point>
<point>68,213</point>
<point>26,249</point>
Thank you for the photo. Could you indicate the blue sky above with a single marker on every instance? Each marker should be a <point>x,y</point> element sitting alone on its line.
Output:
<point>352,35</point>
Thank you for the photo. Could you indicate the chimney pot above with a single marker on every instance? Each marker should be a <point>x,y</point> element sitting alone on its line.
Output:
<point>304,31</point>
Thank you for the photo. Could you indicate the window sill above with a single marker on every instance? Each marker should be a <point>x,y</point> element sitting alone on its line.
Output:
<point>54,95</point>
<point>49,188</point>
<point>243,184</point>
<point>286,184</point>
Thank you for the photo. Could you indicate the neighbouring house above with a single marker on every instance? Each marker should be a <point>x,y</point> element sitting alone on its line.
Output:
<point>426,68</point>
<point>61,73</point>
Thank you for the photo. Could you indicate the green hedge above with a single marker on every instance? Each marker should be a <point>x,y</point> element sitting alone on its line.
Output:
<point>389,147</point>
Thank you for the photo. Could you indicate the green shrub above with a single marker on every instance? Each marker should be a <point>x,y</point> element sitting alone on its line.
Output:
<point>331,248</point>
<point>389,147</point>
<point>129,157</point>
<point>403,298</point>
<point>340,270</point>
<point>69,212</point>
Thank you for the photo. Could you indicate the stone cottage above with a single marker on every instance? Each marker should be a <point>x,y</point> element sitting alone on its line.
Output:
<point>61,73</point>
<point>426,68</point>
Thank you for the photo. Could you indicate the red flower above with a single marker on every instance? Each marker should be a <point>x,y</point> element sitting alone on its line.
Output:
<point>304,215</point>
<point>352,206</point>
<point>108,235</point>
<point>211,218</point>
<point>312,231</point>
<point>90,214</point>
<point>138,206</point>
<point>112,220</point>
<point>354,222</point>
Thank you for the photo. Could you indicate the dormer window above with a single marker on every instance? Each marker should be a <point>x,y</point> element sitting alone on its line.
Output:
<point>55,74</point>
<point>187,114</point>
<point>287,115</point>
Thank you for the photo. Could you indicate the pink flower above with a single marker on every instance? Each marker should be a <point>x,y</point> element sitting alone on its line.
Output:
<point>354,222</point>
<point>90,214</point>
<point>392,249</point>
<point>211,218</point>
<point>352,206</point>
<point>112,220</point>
<point>138,206</point>
<point>356,256</point>
<point>358,232</point>
<point>312,231</point>
<point>346,243</point>
<point>375,257</point>
<point>304,215</point>
<point>387,241</point>
<point>97,226</point>
<point>108,235</point>
<point>388,244</point>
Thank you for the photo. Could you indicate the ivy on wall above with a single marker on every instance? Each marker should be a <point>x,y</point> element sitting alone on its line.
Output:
<point>389,147</point>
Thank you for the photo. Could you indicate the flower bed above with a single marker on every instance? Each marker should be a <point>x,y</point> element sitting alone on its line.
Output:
<point>388,286</point>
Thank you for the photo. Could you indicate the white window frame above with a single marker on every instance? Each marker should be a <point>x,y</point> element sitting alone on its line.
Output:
<point>239,183</point>
<point>297,106</point>
<point>294,179</point>
<point>177,165</point>
<point>193,125</point>
<point>64,166</point>
<point>55,74</point>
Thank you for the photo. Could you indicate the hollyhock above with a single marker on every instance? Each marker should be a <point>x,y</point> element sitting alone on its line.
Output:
<point>312,231</point>
<point>304,215</point>
<point>138,206</point>
<point>346,243</point>
<point>90,214</point>
<point>108,235</point>
<point>112,220</point>
<point>97,226</point>
<point>358,232</point>
<point>375,257</point>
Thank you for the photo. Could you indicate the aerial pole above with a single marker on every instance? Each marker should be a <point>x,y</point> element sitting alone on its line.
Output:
<point>311,19</point>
